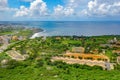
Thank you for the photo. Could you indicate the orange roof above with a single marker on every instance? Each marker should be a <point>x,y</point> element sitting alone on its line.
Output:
<point>86,55</point>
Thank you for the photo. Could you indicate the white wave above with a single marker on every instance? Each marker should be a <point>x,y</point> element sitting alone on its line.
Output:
<point>39,34</point>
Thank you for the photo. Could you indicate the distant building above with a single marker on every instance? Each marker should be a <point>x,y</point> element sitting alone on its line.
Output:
<point>117,52</point>
<point>58,38</point>
<point>4,40</point>
<point>14,38</point>
<point>105,45</point>
<point>118,43</point>
<point>95,51</point>
<point>113,41</point>
<point>78,49</point>
<point>20,38</point>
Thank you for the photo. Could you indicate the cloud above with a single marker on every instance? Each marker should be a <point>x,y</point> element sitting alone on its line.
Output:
<point>66,10</point>
<point>23,11</point>
<point>37,8</point>
<point>93,8</point>
<point>6,13</point>
<point>103,8</point>
<point>69,9</point>
<point>4,6</point>
<point>60,10</point>
<point>3,3</point>
<point>27,0</point>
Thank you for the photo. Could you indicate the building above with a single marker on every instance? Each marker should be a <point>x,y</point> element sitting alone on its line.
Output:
<point>87,56</point>
<point>117,52</point>
<point>85,59</point>
<point>78,49</point>
<point>4,40</point>
<point>14,38</point>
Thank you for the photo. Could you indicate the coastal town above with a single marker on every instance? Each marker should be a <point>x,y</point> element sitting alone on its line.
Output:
<point>77,55</point>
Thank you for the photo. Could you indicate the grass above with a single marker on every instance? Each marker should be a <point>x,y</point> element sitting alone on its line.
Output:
<point>4,56</point>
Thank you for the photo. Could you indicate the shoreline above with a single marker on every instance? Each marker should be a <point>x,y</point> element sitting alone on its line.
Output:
<point>39,34</point>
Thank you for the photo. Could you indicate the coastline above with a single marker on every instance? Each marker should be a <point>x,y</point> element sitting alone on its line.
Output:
<point>39,34</point>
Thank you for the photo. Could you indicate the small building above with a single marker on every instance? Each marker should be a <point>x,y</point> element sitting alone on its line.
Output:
<point>14,38</point>
<point>118,43</point>
<point>106,45</point>
<point>78,49</point>
<point>116,51</point>
<point>4,40</point>
<point>95,51</point>
<point>113,41</point>
<point>58,38</point>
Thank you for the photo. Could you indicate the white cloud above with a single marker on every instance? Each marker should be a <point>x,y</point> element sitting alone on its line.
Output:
<point>69,10</point>
<point>103,8</point>
<point>66,10</point>
<point>3,3</point>
<point>27,0</point>
<point>6,13</point>
<point>4,6</point>
<point>71,7</point>
<point>60,10</point>
<point>22,12</point>
<point>37,8</point>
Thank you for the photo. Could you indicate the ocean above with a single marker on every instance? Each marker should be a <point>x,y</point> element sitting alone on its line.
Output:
<point>85,28</point>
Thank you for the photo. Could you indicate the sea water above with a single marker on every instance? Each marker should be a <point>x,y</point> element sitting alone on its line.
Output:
<point>85,28</point>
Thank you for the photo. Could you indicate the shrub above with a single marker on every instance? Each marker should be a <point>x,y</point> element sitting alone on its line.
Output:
<point>12,64</point>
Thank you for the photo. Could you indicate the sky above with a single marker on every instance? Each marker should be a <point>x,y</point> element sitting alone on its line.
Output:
<point>59,10</point>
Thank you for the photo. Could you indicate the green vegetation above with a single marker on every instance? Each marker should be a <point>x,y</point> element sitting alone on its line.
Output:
<point>26,32</point>
<point>57,46</point>
<point>31,70</point>
<point>39,66</point>
<point>4,56</point>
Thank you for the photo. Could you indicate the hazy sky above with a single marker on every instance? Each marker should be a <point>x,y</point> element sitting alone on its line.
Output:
<point>78,10</point>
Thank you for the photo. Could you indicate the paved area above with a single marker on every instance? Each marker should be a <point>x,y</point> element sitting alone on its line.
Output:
<point>15,55</point>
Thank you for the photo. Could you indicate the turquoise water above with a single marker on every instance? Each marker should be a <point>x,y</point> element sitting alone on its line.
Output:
<point>86,28</point>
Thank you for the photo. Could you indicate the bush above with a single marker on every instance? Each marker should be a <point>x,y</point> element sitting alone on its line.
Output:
<point>39,63</point>
<point>12,64</point>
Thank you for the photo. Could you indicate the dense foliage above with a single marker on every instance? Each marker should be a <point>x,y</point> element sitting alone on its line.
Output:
<point>30,70</point>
